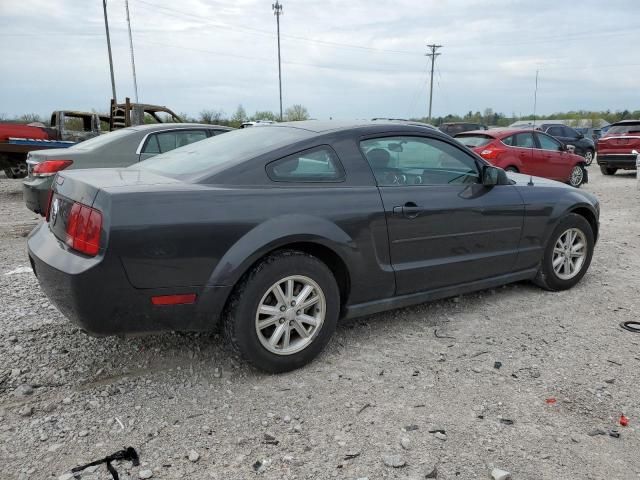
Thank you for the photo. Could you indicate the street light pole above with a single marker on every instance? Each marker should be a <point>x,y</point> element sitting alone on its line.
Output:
<point>106,26</point>
<point>277,11</point>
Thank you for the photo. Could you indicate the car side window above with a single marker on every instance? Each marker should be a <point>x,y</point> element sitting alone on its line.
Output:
<point>555,131</point>
<point>570,133</point>
<point>524,140</point>
<point>549,143</point>
<point>510,141</point>
<point>152,145</point>
<point>319,164</point>
<point>168,141</point>
<point>401,160</point>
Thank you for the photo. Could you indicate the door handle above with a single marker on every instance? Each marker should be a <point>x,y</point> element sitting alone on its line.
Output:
<point>409,210</point>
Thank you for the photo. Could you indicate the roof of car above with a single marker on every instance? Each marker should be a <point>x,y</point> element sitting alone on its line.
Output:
<point>494,132</point>
<point>151,127</point>
<point>622,122</point>
<point>323,126</point>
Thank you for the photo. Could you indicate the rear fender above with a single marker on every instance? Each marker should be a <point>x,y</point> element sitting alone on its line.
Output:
<point>278,233</point>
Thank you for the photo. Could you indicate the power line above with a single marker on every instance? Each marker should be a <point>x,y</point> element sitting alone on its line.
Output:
<point>434,48</point>
<point>277,11</point>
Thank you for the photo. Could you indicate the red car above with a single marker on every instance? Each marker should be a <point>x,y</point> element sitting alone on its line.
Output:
<point>615,148</point>
<point>527,151</point>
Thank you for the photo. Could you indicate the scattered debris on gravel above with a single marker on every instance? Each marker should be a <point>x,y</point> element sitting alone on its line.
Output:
<point>514,382</point>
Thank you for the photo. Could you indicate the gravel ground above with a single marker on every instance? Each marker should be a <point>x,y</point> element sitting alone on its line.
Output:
<point>395,395</point>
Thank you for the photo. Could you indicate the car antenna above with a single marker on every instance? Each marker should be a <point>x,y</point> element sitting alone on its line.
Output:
<point>530,181</point>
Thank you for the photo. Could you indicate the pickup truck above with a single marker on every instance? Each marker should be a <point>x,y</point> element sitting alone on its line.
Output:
<point>67,128</point>
<point>70,127</point>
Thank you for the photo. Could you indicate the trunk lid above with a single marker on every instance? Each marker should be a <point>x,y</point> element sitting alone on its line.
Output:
<point>82,186</point>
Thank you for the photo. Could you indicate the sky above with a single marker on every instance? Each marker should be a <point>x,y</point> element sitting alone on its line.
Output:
<point>342,59</point>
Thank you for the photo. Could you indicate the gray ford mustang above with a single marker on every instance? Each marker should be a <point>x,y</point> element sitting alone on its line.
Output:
<point>279,231</point>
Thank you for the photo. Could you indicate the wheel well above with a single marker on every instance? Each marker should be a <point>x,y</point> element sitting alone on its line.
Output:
<point>331,260</point>
<point>589,217</point>
<point>325,255</point>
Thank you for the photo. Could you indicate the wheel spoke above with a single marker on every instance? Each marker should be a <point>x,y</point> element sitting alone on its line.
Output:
<point>289,291</point>
<point>577,248</point>
<point>287,338</point>
<point>308,319</point>
<point>279,294</point>
<point>308,303</point>
<point>567,266</point>
<point>269,310</point>
<point>557,261</point>
<point>277,335</point>
<point>267,322</point>
<point>304,294</point>
<point>300,329</point>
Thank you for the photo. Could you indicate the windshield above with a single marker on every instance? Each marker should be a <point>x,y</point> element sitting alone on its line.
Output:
<point>103,139</point>
<point>624,128</point>
<point>472,141</point>
<point>214,154</point>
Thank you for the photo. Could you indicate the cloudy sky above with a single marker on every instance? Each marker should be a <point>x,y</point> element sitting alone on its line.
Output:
<point>341,59</point>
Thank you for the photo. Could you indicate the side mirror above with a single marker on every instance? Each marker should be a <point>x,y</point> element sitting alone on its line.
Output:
<point>491,175</point>
<point>580,135</point>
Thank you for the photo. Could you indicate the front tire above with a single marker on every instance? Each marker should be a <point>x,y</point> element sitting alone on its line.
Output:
<point>608,170</point>
<point>283,312</point>
<point>567,255</point>
<point>588,157</point>
<point>577,176</point>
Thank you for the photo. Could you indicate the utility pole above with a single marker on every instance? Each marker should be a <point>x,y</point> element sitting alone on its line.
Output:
<point>133,62</point>
<point>535,100</point>
<point>277,11</point>
<point>106,26</point>
<point>434,48</point>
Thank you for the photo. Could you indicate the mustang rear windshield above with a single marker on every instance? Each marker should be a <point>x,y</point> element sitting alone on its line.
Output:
<point>474,140</point>
<point>624,128</point>
<point>222,151</point>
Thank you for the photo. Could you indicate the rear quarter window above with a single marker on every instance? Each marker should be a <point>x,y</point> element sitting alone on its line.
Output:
<point>320,164</point>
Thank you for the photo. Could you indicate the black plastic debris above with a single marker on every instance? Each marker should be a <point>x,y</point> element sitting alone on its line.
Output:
<point>497,365</point>
<point>129,454</point>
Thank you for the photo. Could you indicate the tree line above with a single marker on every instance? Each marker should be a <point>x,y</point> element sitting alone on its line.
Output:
<point>299,112</point>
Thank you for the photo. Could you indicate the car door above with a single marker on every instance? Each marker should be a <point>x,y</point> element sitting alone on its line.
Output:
<point>552,158</point>
<point>444,227</point>
<point>165,141</point>
<point>523,145</point>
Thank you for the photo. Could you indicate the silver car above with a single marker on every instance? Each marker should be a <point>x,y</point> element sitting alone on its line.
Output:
<point>121,148</point>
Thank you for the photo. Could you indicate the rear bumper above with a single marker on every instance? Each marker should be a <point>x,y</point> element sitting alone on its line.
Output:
<point>35,192</point>
<point>624,161</point>
<point>95,294</point>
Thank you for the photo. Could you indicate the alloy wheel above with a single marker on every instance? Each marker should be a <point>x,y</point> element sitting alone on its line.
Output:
<point>569,253</point>
<point>290,315</point>
<point>588,157</point>
<point>577,175</point>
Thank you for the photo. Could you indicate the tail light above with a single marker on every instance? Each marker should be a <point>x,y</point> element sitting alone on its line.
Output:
<point>46,213</point>
<point>50,167</point>
<point>83,229</point>
<point>491,153</point>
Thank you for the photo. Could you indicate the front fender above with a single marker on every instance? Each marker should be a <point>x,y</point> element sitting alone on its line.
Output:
<point>277,233</point>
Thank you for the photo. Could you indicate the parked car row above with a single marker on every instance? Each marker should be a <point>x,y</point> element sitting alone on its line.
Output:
<point>531,152</point>
<point>275,233</point>
<point>116,149</point>
<point>616,148</point>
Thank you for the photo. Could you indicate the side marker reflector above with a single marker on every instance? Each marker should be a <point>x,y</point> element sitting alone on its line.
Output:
<point>182,299</point>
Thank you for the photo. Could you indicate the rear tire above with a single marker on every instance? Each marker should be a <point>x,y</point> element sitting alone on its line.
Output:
<point>608,170</point>
<point>285,337</point>
<point>512,169</point>
<point>565,262</point>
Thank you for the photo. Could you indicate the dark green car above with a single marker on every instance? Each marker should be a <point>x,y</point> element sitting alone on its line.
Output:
<point>121,148</point>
